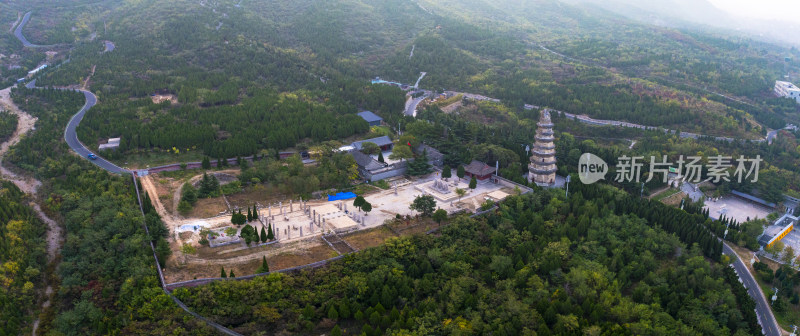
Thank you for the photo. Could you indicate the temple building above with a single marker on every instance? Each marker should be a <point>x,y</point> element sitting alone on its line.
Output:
<point>542,169</point>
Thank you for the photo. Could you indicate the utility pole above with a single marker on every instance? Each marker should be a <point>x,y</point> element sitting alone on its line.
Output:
<point>567,180</point>
<point>774,296</point>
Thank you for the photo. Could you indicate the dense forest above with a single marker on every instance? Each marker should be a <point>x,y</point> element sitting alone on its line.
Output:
<point>587,265</point>
<point>227,68</point>
<point>23,259</point>
<point>107,278</point>
<point>8,124</point>
<point>246,79</point>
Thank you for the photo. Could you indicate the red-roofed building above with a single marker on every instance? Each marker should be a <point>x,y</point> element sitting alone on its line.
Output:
<point>480,170</point>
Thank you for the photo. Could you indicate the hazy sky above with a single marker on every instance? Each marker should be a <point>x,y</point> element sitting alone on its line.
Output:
<point>786,10</point>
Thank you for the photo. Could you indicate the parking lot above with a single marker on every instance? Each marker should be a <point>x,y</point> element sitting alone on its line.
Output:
<point>736,208</point>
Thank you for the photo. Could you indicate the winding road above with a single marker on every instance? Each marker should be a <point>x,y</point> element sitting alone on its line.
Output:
<point>71,135</point>
<point>599,122</point>
<point>21,38</point>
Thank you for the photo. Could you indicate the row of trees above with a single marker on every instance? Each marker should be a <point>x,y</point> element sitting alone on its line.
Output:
<point>250,234</point>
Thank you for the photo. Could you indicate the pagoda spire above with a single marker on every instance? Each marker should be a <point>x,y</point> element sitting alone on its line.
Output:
<point>542,168</point>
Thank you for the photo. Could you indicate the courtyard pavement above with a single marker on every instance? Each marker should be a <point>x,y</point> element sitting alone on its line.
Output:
<point>736,208</point>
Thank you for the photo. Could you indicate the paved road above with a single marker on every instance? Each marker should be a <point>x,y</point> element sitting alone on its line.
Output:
<point>411,106</point>
<point>21,38</point>
<point>763,311</point>
<point>600,122</point>
<point>71,136</point>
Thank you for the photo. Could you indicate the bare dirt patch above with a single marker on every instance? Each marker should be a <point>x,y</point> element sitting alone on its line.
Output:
<point>208,207</point>
<point>301,257</point>
<point>674,200</point>
<point>160,98</point>
<point>262,194</point>
<point>452,107</point>
<point>369,238</point>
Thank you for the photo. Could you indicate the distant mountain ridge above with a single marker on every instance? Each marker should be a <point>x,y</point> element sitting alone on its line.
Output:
<point>676,13</point>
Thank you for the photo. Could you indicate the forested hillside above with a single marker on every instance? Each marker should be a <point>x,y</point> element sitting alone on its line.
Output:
<point>224,65</point>
<point>598,263</point>
<point>107,281</point>
<point>228,78</point>
<point>22,259</point>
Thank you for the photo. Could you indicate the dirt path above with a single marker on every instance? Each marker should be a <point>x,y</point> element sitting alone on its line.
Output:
<point>150,188</point>
<point>86,82</point>
<point>19,17</point>
<point>24,124</point>
<point>29,185</point>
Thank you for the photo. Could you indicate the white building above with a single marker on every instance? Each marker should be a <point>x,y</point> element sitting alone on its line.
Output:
<point>788,90</point>
<point>112,143</point>
<point>40,68</point>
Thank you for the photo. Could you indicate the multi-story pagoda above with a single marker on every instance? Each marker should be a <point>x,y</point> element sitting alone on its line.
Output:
<point>542,169</point>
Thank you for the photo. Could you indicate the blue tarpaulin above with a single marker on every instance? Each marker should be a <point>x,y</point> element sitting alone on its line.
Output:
<point>341,196</point>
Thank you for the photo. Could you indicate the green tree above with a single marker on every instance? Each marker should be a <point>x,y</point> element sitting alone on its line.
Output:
<point>366,207</point>
<point>189,194</point>
<point>439,215</point>
<point>222,272</point>
<point>424,204</point>
<point>264,268</point>
<point>370,148</point>
<point>447,172</point>
<point>775,249</point>
<point>344,310</point>
<point>460,192</point>
<point>359,201</point>
<point>232,275</point>
<point>249,215</point>
<point>332,313</point>
<point>409,140</point>
<point>473,183</point>
<point>255,212</point>
<point>238,219</point>
<point>206,164</point>
<point>309,313</point>
<point>263,235</point>
<point>788,255</point>
<point>420,165</point>
<point>270,233</point>
<point>336,331</point>
<point>380,158</point>
<point>184,207</point>
<point>460,172</point>
<point>401,152</point>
